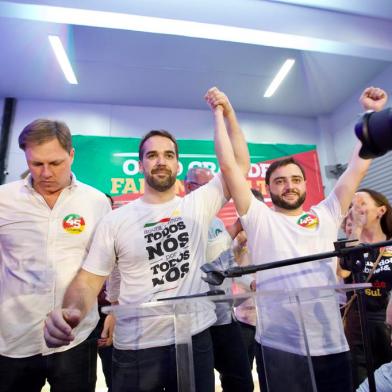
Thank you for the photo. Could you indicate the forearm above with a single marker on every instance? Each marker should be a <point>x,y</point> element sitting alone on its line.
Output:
<point>349,181</point>
<point>234,182</point>
<point>233,177</point>
<point>218,100</point>
<point>238,142</point>
<point>357,164</point>
<point>78,299</point>
<point>223,145</point>
<point>83,291</point>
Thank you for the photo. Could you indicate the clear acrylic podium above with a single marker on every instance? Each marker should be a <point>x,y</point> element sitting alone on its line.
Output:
<point>287,320</point>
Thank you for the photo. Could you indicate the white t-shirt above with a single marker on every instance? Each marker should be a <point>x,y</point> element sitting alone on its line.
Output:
<point>219,240</point>
<point>41,250</point>
<point>159,249</point>
<point>273,236</point>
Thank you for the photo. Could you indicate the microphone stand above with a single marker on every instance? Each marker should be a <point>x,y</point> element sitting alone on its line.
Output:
<point>352,259</point>
<point>341,250</point>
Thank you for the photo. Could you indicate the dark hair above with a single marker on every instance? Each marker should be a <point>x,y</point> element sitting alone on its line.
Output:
<point>381,200</point>
<point>157,132</point>
<point>42,130</point>
<point>282,162</point>
<point>257,194</point>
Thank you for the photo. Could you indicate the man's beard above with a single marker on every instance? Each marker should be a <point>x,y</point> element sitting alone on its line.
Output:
<point>281,203</point>
<point>160,184</point>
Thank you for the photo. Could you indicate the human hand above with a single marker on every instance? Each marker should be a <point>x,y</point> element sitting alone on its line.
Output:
<point>356,218</point>
<point>106,339</point>
<point>59,325</point>
<point>218,101</point>
<point>373,98</point>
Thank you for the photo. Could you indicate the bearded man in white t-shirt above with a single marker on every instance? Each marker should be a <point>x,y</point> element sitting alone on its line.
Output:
<point>158,243</point>
<point>284,232</point>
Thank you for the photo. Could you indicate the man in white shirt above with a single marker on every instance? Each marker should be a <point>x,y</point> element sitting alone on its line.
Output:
<point>287,231</point>
<point>46,223</point>
<point>158,243</point>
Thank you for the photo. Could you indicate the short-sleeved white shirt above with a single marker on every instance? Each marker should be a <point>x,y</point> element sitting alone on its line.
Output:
<point>41,250</point>
<point>159,249</point>
<point>273,236</point>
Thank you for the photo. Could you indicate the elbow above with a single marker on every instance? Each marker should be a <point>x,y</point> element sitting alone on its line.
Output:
<point>226,169</point>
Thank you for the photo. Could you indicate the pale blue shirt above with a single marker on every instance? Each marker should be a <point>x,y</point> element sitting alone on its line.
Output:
<point>383,377</point>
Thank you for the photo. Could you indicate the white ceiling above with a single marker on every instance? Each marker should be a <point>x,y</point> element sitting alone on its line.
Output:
<point>340,46</point>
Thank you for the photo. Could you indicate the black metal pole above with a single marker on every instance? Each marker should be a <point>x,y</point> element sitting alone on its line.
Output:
<point>365,335</point>
<point>250,269</point>
<point>8,114</point>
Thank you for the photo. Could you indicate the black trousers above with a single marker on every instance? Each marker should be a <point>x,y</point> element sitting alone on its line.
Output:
<point>74,370</point>
<point>280,371</point>
<point>231,359</point>
<point>154,369</point>
<point>248,335</point>
<point>380,343</point>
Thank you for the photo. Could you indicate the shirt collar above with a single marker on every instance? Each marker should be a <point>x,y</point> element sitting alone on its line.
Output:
<point>28,182</point>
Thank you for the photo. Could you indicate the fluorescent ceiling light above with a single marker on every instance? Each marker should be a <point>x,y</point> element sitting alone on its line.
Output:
<point>186,28</point>
<point>62,58</point>
<point>278,79</point>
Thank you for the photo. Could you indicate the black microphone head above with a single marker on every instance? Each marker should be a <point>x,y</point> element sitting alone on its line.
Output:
<point>374,130</point>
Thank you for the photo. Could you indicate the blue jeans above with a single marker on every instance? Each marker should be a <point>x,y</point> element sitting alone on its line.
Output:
<point>230,358</point>
<point>289,372</point>
<point>154,369</point>
<point>74,370</point>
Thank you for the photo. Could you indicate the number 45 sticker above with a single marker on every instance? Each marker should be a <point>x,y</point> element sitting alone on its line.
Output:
<point>73,224</point>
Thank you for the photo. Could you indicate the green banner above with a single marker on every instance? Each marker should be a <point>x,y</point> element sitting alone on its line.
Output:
<point>111,164</point>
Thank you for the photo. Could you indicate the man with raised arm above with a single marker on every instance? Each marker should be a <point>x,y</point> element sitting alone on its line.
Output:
<point>158,243</point>
<point>279,233</point>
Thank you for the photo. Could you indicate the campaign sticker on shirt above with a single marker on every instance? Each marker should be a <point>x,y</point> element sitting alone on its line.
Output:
<point>73,224</point>
<point>387,251</point>
<point>308,221</point>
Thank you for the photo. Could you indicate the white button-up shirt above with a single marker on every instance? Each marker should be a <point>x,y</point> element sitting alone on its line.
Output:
<point>41,250</point>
